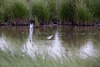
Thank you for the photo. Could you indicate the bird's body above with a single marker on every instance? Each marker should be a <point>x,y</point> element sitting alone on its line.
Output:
<point>49,37</point>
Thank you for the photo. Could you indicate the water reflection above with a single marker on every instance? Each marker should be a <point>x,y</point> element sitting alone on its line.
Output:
<point>54,49</point>
<point>29,46</point>
<point>87,50</point>
<point>3,43</point>
<point>84,42</point>
<point>10,39</point>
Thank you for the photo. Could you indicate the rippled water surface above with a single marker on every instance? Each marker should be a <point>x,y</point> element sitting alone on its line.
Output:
<point>61,41</point>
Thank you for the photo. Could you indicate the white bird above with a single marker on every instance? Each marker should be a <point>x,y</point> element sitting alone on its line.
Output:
<point>49,37</point>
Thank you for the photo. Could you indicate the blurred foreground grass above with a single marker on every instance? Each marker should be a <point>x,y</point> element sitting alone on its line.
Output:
<point>20,59</point>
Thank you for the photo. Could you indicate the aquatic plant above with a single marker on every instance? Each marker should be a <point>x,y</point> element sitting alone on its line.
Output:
<point>17,9</point>
<point>82,14</point>
<point>95,9</point>
<point>40,10</point>
<point>87,3</point>
<point>67,10</point>
<point>52,5</point>
<point>1,15</point>
<point>63,11</point>
<point>1,2</point>
<point>46,11</point>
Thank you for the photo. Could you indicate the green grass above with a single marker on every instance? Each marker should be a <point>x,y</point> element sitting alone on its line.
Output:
<point>93,6</point>
<point>53,10</point>
<point>20,59</point>
<point>1,15</point>
<point>82,14</point>
<point>46,11</point>
<point>17,9</point>
<point>95,9</point>
<point>1,3</point>
<point>67,10</point>
<point>40,10</point>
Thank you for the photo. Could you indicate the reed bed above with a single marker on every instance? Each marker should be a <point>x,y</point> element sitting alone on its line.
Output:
<point>52,11</point>
<point>17,9</point>
<point>40,10</point>
<point>83,14</point>
<point>1,15</point>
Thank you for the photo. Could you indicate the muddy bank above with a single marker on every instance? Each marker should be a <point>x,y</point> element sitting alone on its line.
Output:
<point>27,23</point>
<point>15,23</point>
<point>12,24</point>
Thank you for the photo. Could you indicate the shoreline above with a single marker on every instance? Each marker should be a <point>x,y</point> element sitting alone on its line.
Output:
<point>61,24</point>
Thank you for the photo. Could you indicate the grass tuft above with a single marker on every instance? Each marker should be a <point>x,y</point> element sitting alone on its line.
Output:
<point>17,9</point>
<point>40,10</point>
<point>20,59</point>
<point>53,10</point>
<point>95,9</point>
<point>1,15</point>
<point>47,11</point>
<point>82,14</point>
<point>67,10</point>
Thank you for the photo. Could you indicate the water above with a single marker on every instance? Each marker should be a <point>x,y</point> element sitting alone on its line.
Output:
<point>57,42</point>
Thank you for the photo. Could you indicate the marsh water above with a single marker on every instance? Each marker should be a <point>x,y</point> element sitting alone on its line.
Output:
<point>57,41</point>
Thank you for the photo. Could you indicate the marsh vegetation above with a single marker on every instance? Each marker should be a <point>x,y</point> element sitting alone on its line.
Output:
<point>54,46</point>
<point>75,12</point>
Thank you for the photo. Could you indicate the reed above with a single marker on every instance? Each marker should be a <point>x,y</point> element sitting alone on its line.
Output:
<point>95,9</point>
<point>83,14</point>
<point>17,9</point>
<point>1,15</point>
<point>1,3</point>
<point>52,5</point>
<point>46,11</point>
<point>40,10</point>
<point>67,10</point>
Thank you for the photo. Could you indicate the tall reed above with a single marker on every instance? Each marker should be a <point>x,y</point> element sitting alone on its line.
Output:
<point>83,14</point>
<point>67,10</point>
<point>1,3</point>
<point>52,6</point>
<point>95,9</point>
<point>17,9</point>
<point>40,10</point>
<point>1,15</point>
<point>47,11</point>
